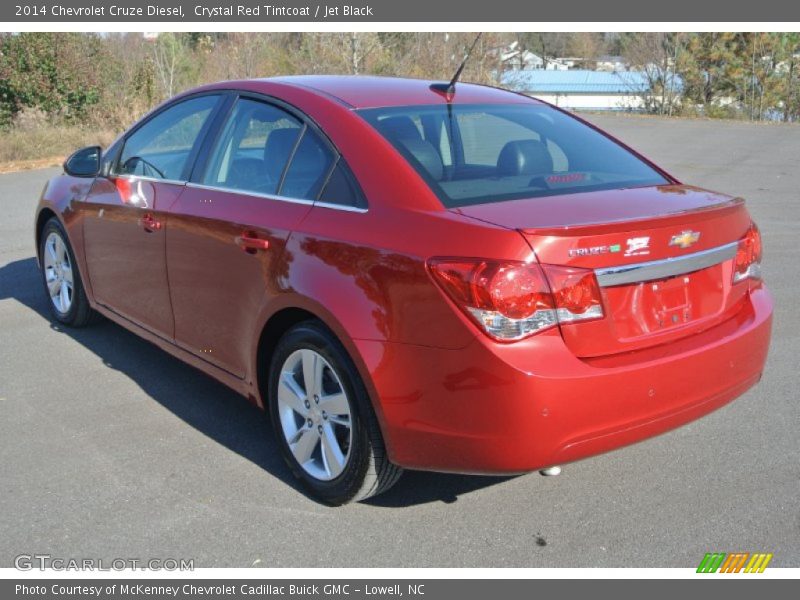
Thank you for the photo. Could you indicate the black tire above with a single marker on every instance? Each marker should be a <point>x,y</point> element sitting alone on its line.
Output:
<point>367,471</point>
<point>79,313</point>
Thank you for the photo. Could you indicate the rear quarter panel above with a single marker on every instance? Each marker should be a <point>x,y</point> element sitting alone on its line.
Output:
<point>365,276</point>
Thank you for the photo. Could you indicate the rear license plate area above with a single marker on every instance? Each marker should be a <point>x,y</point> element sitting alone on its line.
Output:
<point>668,302</point>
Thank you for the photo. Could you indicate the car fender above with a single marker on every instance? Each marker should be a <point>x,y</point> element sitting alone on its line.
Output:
<point>58,196</point>
<point>293,300</point>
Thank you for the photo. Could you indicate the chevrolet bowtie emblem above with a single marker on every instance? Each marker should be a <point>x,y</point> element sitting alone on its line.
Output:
<point>685,238</point>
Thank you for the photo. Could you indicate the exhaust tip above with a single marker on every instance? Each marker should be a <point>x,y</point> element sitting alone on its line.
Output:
<point>550,471</point>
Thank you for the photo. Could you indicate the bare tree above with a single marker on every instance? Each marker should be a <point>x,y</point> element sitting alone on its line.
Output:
<point>587,46</point>
<point>654,53</point>
<point>359,46</point>
<point>791,45</point>
<point>168,51</point>
<point>248,50</point>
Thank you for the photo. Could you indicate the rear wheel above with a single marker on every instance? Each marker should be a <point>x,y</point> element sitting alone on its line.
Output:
<point>323,419</point>
<point>62,281</point>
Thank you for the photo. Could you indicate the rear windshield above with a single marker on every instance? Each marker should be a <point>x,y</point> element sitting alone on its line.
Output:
<point>476,154</point>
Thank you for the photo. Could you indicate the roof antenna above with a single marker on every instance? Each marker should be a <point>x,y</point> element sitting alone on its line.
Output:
<point>449,89</point>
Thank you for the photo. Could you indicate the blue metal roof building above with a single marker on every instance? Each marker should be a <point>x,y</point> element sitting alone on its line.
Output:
<point>583,89</point>
<point>576,82</point>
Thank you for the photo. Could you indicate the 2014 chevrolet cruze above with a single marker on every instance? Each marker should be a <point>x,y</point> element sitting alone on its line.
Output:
<point>403,276</point>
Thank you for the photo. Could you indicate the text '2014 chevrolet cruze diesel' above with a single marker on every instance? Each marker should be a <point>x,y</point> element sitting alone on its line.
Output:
<point>408,275</point>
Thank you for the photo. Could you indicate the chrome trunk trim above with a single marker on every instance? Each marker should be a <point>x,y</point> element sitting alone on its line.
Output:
<point>662,269</point>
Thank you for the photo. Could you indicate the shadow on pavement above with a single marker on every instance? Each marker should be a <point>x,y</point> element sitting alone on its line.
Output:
<point>419,487</point>
<point>202,402</point>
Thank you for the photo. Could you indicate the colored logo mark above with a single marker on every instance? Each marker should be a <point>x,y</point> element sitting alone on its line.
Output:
<point>638,245</point>
<point>735,562</point>
<point>685,238</point>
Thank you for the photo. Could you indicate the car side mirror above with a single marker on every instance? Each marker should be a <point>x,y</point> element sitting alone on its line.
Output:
<point>84,163</point>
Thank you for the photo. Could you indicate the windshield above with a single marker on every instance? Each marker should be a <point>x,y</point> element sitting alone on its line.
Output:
<point>476,154</point>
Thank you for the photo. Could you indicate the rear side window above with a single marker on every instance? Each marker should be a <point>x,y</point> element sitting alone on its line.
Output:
<point>310,165</point>
<point>342,189</point>
<point>477,154</point>
<point>162,146</point>
<point>255,146</point>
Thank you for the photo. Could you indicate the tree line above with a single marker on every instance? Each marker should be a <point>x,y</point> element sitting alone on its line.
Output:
<point>110,79</point>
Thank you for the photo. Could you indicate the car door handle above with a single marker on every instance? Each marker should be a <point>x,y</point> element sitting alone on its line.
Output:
<point>251,244</point>
<point>150,223</point>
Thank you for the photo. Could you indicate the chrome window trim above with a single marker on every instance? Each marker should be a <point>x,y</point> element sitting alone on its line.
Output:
<point>344,207</point>
<point>662,269</point>
<point>216,188</point>
<point>130,177</point>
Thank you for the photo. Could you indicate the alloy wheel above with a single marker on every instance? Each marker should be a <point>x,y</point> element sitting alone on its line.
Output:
<point>315,414</point>
<point>58,273</point>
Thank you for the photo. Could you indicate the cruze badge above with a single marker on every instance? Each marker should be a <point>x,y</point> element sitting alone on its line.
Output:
<point>637,246</point>
<point>684,239</point>
<point>594,250</point>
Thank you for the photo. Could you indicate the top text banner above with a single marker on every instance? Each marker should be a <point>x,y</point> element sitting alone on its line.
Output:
<point>473,11</point>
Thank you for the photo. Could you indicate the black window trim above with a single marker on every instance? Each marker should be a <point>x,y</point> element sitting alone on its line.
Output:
<point>201,163</point>
<point>348,174</point>
<point>285,170</point>
<point>199,143</point>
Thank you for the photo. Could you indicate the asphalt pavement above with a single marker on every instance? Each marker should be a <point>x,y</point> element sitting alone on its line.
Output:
<point>110,448</point>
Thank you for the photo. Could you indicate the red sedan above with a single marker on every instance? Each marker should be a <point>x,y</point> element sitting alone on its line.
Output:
<point>407,276</point>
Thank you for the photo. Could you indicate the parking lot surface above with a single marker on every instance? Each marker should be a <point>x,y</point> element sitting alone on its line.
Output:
<point>113,449</point>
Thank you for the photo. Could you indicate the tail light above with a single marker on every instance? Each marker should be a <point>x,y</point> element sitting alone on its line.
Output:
<point>512,300</point>
<point>747,263</point>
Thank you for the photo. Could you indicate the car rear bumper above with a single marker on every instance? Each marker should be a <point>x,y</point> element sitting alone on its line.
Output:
<point>494,408</point>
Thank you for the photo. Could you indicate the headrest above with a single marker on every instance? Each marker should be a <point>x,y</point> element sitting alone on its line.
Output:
<point>400,128</point>
<point>279,146</point>
<point>524,157</point>
<point>427,156</point>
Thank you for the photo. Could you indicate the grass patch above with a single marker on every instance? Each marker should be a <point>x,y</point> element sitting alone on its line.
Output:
<point>48,142</point>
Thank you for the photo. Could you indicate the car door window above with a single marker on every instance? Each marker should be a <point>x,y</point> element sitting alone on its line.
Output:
<point>341,188</point>
<point>254,148</point>
<point>308,169</point>
<point>162,146</point>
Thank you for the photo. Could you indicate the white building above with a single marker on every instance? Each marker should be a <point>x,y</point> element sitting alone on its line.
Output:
<point>584,90</point>
<point>611,64</point>
<point>515,59</point>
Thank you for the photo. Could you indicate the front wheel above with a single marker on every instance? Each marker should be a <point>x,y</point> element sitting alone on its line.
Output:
<point>323,419</point>
<point>62,281</point>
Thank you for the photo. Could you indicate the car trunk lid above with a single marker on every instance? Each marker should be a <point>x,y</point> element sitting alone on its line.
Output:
<point>662,255</point>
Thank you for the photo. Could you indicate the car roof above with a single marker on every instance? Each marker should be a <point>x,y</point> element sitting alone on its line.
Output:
<point>362,91</point>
